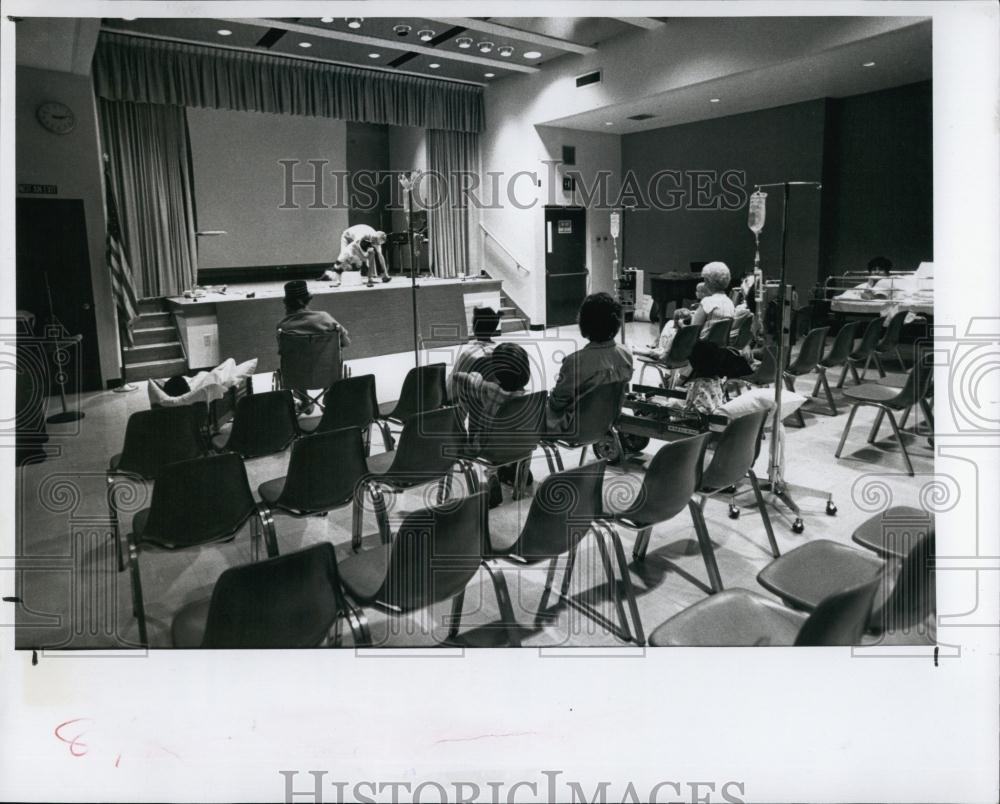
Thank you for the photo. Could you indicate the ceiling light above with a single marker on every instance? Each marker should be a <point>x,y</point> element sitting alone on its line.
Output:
<point>713,100</point>
<point>434,66</point>
<point>490,75</point>
<point>327,20</point>
<point>506,51</point>
<point>868,64</point>
<point>485,47</point>
<point>464,42</point>
<point>305,44</point>
<point>401,29</point>
<point>532,54</point>
<point>426,35</point>
<point>224,32</point>
<point>609,122</point>
<point>374,55</point>
<point>354,22</point>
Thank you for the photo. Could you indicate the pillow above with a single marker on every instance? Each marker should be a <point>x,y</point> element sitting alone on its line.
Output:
<point>756,399</point>
<point>244,370</point>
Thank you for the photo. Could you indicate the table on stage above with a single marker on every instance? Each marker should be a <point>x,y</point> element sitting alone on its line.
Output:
<point>672,286</point>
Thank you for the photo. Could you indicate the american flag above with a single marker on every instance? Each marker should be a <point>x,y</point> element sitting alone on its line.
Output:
<point>121,273</point>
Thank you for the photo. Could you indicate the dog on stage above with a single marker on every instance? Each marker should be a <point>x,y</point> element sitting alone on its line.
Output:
<point>360,245</point>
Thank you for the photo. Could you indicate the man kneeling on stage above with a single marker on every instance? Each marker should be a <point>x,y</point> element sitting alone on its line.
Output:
<point>359,245</point>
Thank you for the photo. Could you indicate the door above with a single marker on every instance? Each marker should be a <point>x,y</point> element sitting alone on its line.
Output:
<point>565,263</point>
<point>53,261</point>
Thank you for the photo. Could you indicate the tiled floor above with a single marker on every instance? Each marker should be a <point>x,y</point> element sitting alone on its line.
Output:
<point>74,598</point>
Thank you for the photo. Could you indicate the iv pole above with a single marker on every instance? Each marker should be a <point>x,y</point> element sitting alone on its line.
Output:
<point>776,484</point>
<point>407,180</point>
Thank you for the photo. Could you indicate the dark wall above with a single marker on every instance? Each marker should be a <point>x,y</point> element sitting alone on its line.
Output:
<point>772,145</point>
<point>368,150</point>
<point>878,187</point>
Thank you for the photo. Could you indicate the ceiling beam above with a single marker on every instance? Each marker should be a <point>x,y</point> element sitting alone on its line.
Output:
<point>374,41</point>
<point>649,23</point>
<point>484,26</point>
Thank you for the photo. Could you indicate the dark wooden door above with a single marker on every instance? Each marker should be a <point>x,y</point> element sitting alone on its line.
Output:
<point>53,261</point>
<point>565,263</point>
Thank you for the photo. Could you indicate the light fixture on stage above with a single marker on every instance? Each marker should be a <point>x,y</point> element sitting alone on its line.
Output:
<point>464,42</point>
<point>485,47</point>
<point>355,22</point>
<point>506,51</point>
<point>426,35</point>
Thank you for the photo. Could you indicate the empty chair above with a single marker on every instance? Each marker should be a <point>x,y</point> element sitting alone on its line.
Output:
<point>436,553</point>
<point>889,345</point>
<point>718,331</point>
<point>893,532</point>
<point>673,475</point>
<point>889,401</point>
<point>511,439</point>
<point>732,461</point>
<point>865,353</point>
<point>350,402</point>
<point>595,415</point>
<point>308,362</point>
<point>153,439</point>
<point>677,356</point>
<point>263,424</point>
<point>423,389</point>
<point>196,502</point>
<point>324,473</point>
<point>805,361</point>
<point>741,618</point>
<point>565,509</point>
<point>429,447</point>
<point>292,601</point>
<point>839,351</point>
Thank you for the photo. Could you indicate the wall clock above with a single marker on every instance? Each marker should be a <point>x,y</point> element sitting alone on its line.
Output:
<point>56,117</point>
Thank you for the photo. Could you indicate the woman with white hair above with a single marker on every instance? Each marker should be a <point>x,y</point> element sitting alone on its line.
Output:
<point>716,304</point>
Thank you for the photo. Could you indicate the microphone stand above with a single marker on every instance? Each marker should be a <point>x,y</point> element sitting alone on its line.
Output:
<point>55,329</point>
<point>776,484</point>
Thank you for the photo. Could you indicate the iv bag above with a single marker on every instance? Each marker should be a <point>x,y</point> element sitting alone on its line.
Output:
<point>616,220</point>
<point>755,212</point>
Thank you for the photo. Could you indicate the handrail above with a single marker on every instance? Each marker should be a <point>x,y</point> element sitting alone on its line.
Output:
<point>503,248</point>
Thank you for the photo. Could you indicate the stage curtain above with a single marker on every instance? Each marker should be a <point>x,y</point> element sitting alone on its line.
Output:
<point>147,148</point>
<point>152,71</point>
<point>449,155</point>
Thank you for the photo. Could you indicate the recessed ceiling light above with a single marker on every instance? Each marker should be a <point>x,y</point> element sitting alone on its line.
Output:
<point>609,122</point>
<point>532,54</point>
<point>490,75</point>
<point>224,32</point>
<point>713,100</point>
<point>506,51</point>
<point>464,42</point>
<point>355,22</point>
<point>327,20</point>
<point>434,66</point>
<point>305,44</point>
<point>426,35</point>
<point>485,47</point>
<point>868,64</point>
<point>402,29</point>
<point>374,55</point>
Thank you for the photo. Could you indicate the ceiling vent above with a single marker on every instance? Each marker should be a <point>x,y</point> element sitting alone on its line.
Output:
<point>642,116</point>
<point>589,78</point>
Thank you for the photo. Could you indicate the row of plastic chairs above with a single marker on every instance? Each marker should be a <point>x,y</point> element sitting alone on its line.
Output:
<point>719,332</point>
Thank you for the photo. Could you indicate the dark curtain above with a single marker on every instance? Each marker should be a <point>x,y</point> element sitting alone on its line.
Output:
<point>451,156</point>
<point>149,166</point>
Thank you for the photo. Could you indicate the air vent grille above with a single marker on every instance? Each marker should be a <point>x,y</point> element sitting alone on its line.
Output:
<point>589,78</point>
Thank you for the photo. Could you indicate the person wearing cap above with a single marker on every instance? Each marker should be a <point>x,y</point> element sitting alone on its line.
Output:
<point>485,325</point>
<point>716,304</point>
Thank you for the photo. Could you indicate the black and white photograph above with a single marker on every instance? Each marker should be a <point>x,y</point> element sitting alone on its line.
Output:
<point>533,405</point>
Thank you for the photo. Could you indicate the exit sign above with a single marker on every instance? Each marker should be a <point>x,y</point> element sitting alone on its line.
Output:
<point>38,189</point>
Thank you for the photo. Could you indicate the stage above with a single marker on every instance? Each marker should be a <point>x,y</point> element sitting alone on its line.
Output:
<point>240,322</point>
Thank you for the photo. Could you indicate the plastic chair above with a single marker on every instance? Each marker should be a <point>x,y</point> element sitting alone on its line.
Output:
<point>349,402</point>
<point>324,473</point>
<point>718,332</point>
<point>889,400</point>
<point>429,447</point>
<point>892,533</point>
<point>596,412</point>
<point>308,362</point>
<point>516,430</point>
<point>423,389</point>
<point>677,356</point>
<point>435,554</point>
<point>805,361</point>
<point>153,439</point>
<point>889,345</point>
<point>292,601</point>
<point>865,353</point>
<point>741,618</point>
<point>263,424</point>
<point>196,502</point>
<point>735,453</point>
<point>840,350</point>
<point>742,336</point>
<point>673,476</point>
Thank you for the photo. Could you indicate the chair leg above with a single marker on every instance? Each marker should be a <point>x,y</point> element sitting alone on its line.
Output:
<point>266,520</point>
<point>568,572</point>
<point>616,543</point>
<point>925,406</point>
<point>358,516</point>
<point>600,534</point>
<point>815,390</point>
<point>521,469</point>
<point>358,623</point>
<point>902,444</point>
<point>642,371</point>
<point>444,488</point>
<point>765,517</point>
<point>115,523</point>
<point>829,393</point>
<point>864,370</point>
<point>707,550</point>
<point>583,454</point>
<point>381,516</point>
<point>899,357</point>
<point>547,449</point>
<point>876,426</point>
<point>456,614</point>
<point>843,374</point>
<point>387,440</point>
<point>790,385</point>
<point>854,372</point>
<point>641,543</point>
<point>138,608</point>
<point>878,365</point>
<point>547,591</point>
<point>847,428</point>
<point>505,605</point>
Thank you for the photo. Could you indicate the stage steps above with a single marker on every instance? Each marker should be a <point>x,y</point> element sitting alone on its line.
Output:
<point>157,351</point>
<point>511,317</point>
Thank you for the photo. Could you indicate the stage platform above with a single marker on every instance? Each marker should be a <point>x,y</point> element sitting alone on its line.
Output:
<point>240,322</point>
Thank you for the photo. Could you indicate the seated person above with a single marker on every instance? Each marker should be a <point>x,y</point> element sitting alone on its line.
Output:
<point>716,304</point>
<point>360,245</point>
<point>682,317</point>
<point>601,361</point>
<point>485,324</point>
<point>300,320</point>
<point>879,266</point>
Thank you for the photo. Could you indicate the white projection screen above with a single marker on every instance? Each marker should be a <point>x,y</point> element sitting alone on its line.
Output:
<point>239,187</point>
